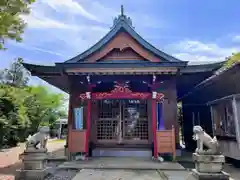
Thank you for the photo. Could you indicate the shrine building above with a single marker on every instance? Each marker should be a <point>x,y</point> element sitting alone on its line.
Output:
<point>123,94</point>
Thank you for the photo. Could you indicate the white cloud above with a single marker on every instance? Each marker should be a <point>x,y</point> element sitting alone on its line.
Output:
<point>236,38</point>
<point>192,50</point>
<point>62,27</point>
<point>207,48</point>
<point>70,6</point>
<point>104,13</point>
<point>46,23</point>
<point>43,50</point>
<point>197,57</point>
<point>59,27</point>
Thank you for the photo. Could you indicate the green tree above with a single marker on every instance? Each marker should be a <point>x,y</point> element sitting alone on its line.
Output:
<point>24,108</point>
<point>43,106</point>
<point>235,58</point>
<point>14,119</point>
<point>16,75</point>
<point>11,24</point>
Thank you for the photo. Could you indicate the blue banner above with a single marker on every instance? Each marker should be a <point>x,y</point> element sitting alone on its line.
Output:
<point>160,123</point>
<point>78,117</point>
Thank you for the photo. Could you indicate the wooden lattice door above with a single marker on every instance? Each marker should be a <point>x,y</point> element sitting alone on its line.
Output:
<point>107,120</point>
<point>135,121</point>
<point>122,121</point>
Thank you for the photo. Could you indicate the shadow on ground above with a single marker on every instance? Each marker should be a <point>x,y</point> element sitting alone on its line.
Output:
<point>10,171</point>
<point>57,153</point>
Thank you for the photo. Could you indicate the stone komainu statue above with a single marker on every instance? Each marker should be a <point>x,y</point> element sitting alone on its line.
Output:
<point>203,138</point>
<point>40,137</point>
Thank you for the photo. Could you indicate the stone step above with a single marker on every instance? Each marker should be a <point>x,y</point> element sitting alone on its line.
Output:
<point>120,152</point>
<point>121,163</point>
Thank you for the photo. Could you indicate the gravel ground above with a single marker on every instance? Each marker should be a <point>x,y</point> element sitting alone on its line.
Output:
<point>62,175</point>
<point>117,174</point>
<point>9,158</point>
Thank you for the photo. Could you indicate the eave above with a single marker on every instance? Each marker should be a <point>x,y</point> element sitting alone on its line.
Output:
<point>37,70</point>
<point>202,68</point>
<point>122,64</point>
<point>50,74</point>
<point>209,81</point>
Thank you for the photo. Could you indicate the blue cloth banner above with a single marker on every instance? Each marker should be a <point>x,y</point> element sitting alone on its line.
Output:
<point>160,123</point>
<point>78,117</point>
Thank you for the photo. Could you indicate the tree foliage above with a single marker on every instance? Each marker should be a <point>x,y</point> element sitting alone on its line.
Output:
<point>235,58</point>
<point>43,106</point>
<point>16,75</point>
<point>11,23</point>
<point>24,108</point>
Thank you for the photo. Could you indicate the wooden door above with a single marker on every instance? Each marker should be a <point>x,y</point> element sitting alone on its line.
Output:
<point>135,121</point>
<point>122,122</point>
<point>107,120</point>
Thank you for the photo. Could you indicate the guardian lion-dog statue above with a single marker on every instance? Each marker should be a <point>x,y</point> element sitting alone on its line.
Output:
<point>40,137</point>
<point>203,138</point>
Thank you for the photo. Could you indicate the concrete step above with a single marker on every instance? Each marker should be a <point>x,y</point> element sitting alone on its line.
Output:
<point>121,163</point>
<point>120,152</point>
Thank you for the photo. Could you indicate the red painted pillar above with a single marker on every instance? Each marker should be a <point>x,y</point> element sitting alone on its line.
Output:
<point>70,124</point>
<point>88,128</point>
<point>154,127</point>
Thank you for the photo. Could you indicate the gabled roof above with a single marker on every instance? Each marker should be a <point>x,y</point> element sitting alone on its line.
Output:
<point>123,23</point>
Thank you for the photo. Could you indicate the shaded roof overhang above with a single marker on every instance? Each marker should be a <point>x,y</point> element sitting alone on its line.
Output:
<point>51,74</point>
<point>57,75</point>
<point>222,83</point>
<point>41,70</point>
<point>209,67</point>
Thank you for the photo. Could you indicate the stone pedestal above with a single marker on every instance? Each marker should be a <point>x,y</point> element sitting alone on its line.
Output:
<point>208,167</point>
<point>208,163</point>
<point>34,164</point>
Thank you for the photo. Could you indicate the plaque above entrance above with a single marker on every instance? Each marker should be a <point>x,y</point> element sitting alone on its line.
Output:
<point>121,91</point>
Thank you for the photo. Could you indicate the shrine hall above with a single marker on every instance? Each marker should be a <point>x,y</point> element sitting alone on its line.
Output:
<point>123,95</point>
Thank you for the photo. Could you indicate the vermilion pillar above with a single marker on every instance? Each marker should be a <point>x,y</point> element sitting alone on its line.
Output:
<point>154,127</point>
<point>88,128</point>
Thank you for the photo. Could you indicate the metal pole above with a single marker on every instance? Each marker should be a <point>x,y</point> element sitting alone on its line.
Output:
<point>236,120</point>
<point>213,121</point>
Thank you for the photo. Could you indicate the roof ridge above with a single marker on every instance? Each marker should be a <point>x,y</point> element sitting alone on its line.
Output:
<point>129,29</point>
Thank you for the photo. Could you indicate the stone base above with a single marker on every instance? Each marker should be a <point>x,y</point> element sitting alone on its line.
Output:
<point>195,175</point>
<point>34,164</point>
<point>34,160</point>
<point>31,174</point>
<point>208,163</point>
<point>31,149</point>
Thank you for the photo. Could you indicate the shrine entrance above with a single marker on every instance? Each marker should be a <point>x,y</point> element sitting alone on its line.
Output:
<point>122,122</point>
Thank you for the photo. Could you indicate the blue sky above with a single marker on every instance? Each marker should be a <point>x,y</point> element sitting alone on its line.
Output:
<point>196,31</point>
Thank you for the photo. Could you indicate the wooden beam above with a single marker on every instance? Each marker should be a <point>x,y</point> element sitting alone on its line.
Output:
<point>123,70</point>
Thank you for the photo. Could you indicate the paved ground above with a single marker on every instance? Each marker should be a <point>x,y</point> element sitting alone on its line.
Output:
<point>9,158</point>
<point>9,162</point>
<point>228,167</point>
<point>117,174</point>
<point>233,171</point>
<point>122,163</point>
<point>126,168</point>
<point>130,175</point>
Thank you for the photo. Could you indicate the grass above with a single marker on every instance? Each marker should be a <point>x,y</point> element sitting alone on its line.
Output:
<point>57,141</point>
